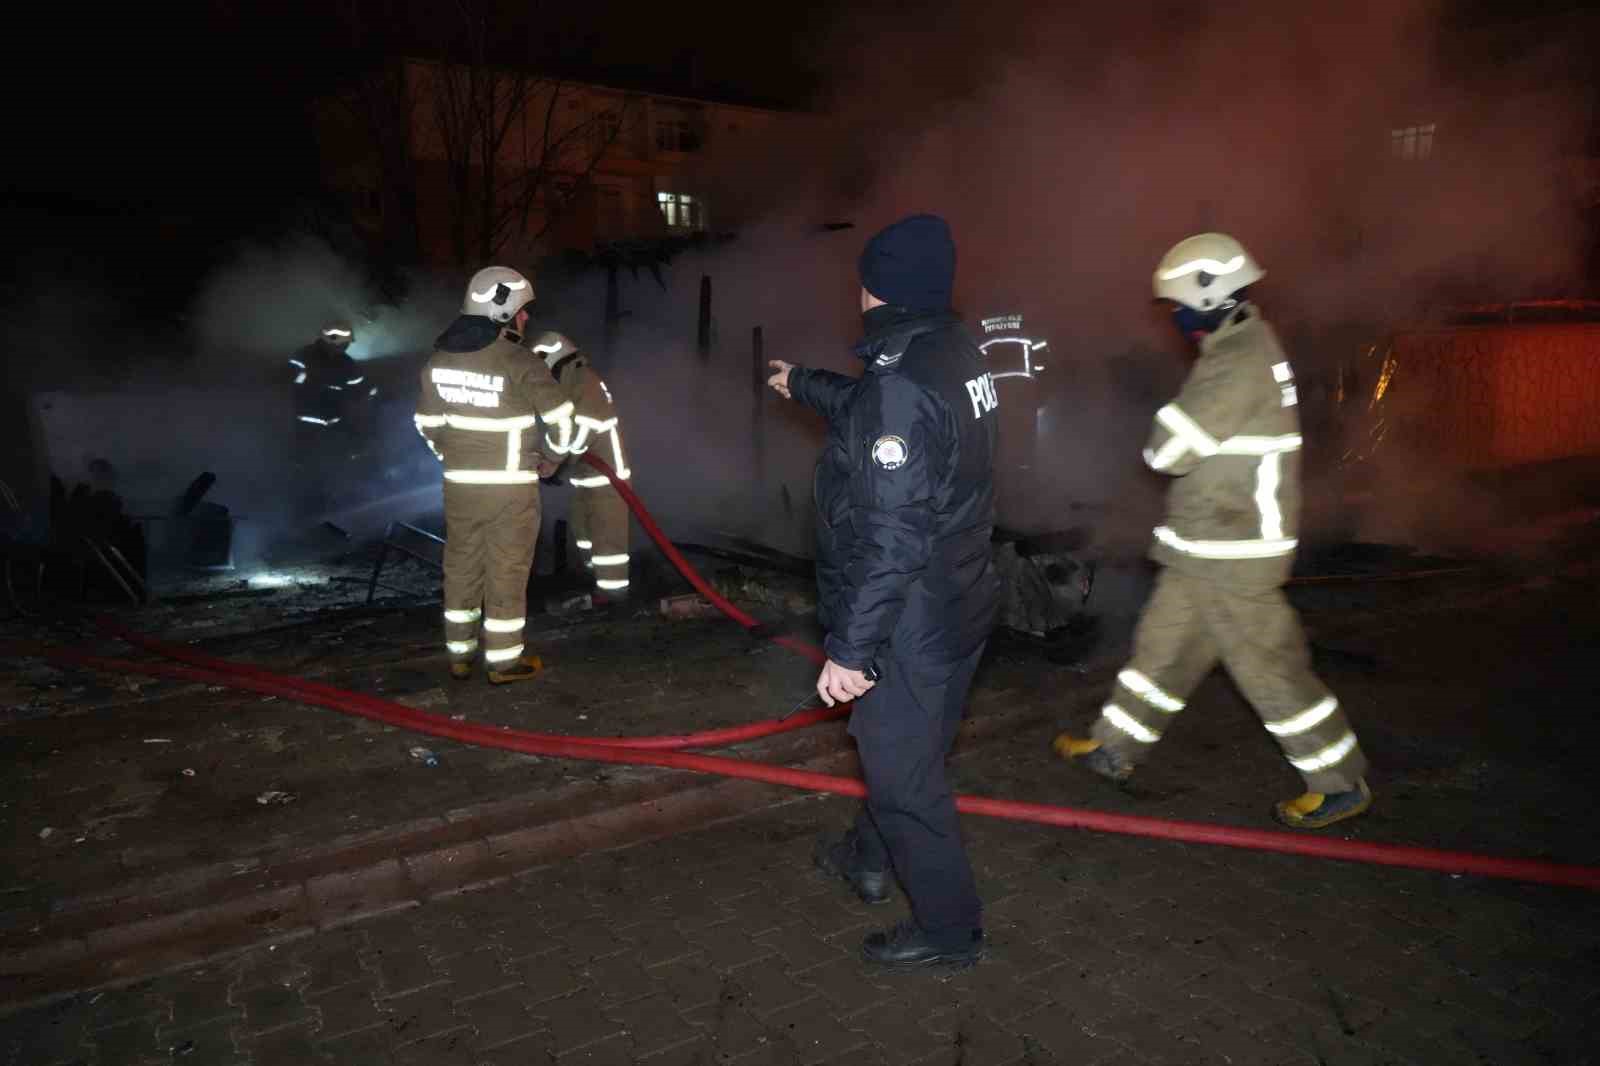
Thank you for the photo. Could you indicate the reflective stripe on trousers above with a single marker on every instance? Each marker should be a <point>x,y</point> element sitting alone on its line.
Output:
<point>1187,628</point>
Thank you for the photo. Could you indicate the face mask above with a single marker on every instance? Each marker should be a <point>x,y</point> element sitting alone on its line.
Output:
<point>1191,324</point>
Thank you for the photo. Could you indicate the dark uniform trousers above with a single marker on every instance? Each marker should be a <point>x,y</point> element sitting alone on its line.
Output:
<point>904,728</point>
<point>490,535</point>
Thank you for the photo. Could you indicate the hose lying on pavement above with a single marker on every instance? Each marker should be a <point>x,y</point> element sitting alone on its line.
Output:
<point>646,751</point>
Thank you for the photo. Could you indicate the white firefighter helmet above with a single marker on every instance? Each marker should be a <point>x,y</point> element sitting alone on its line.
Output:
<point>554,347</point>
<point>1201,272</point>
<point>498,293</point>
<point>338,334</point>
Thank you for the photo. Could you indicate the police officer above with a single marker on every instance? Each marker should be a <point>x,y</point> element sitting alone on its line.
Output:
<point>484,397</point>
<point>599,517</point>
<point>1231,442</point>
<point>906,589</point>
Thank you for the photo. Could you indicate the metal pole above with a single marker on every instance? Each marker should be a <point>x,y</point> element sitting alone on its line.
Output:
<point>758,382</point>
<point>705,315</point>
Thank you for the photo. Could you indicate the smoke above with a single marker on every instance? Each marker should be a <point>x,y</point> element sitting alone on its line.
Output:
<point>1070,146</point>
<point>271,299</point>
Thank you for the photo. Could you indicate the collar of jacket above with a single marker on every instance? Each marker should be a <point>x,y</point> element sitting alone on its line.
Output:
<point>471,333</point>
<point>889,331</point>
<point>1245,318</point>
<point>564,363</point>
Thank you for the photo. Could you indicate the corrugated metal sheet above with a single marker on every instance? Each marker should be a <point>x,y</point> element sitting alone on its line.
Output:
<point>1483,397</point>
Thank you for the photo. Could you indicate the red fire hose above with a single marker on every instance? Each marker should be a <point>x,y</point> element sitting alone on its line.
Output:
<point>646,751</point>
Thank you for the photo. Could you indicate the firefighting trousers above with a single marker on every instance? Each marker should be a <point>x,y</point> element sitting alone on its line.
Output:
<point>904,727</point>
<point>600,526</point>
<point>1187,627</point>
<point>490,534</point>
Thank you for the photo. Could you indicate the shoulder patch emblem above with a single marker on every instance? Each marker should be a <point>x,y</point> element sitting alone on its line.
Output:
<point>890,452</point>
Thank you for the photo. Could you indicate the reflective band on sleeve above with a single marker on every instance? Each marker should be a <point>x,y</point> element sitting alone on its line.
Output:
<point>470,615</point>
<point>1225,549</point>
<point>1170,453</point>
<point>585,544</point>
<point>502,655</point>
<point>1306,720</point>
<point>461,647</point>
<point>1281,372</point>
<point>1173,417</point>
<point>1125,722</point>
<point>1243,445</point>
<point>1149,691</point>
<point>1268,476</point>
<point>590,482</point>
<point>1328,756</point>
<point>610,560</point>
<point>610,586</point>
<point>503,625</point>
<point>617,462</point>
<point>491,477</point>
<point>429,421</point>
<point>319,421</point>
<point>300,378</point>
<point>298,363</point>
<point>356,381</point>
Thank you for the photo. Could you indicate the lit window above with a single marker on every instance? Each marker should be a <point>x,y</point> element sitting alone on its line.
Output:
<point>681,210</point>
<point>1412,142</point>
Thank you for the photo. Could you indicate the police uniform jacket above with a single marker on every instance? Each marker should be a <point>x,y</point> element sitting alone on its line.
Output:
<point>904,493</point>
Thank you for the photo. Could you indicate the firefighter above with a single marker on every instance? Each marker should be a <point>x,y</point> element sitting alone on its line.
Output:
<point>599,517</point>
<point>324,377</point>
<point>328,388</point>
<point>1231,443</point>
<point>484,399</point>
<point>906,588</point>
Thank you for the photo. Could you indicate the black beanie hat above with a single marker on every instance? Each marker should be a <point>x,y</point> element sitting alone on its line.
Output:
<point>911,264</point>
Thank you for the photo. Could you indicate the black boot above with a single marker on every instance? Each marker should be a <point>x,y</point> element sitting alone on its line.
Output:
<point>907,947</point>
<point>836,856</point>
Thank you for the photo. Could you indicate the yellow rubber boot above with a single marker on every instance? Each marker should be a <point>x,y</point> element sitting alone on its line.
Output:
<point>1315,810</point>
<point>1093,756</point>
<point>524,669</point>
<point>461,671</point>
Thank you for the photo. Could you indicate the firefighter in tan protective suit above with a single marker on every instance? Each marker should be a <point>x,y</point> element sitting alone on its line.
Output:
<point>492,413</point>
<point>599,517</point>
<point>1231,441</point>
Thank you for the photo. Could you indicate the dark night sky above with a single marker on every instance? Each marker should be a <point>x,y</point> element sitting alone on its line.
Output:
<point>196,112</point>
<point>210,107</point>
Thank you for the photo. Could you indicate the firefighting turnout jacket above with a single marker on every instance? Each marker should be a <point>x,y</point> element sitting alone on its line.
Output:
<point>594,419</point>
<point>483,398</point>
<point>1231,439</point>
<point>904,493</point>
<point>324,378</point>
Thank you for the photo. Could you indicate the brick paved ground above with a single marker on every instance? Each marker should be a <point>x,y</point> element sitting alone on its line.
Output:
<point>720,947</point>
<point>723,946</point>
